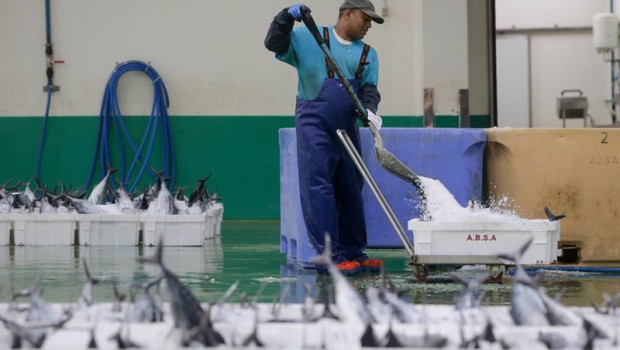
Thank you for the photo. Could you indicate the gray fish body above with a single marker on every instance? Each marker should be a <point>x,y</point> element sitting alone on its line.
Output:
<point>5,205</point>
<point>181,207</point>
<point>145,309</point>
<point>405,312</point>
<point>86,207</point>
<point>97,195</point>
<point>186,310</point>
<point>467,299</point>
<point>351,307</point>
<point>34,337</point>
<point>558,314</point>
<point>28,193</point>
<point>46,207</point>
<point>21,201</point>
<point>195,209</point>
<point>185,307</point>
<point>164,203</point>
<point>308,305</point>
<point>553,340</point>
<point>82,206</point>
<point>40,312</point>
<point>86,298</point>
<point>527,308</point>
<point>125,204</point>
<point>380,310</point>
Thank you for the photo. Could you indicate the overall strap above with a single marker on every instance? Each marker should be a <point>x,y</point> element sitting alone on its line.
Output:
<point>360,69</point>
<point>330,71</point>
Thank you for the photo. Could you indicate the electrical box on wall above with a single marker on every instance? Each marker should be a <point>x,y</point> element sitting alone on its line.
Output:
<point>605,31</point>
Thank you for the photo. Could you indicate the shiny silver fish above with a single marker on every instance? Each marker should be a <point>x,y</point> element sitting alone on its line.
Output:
<point>467,299</point>
<point>558,314</point>
<point>186,310</point>
<point>527,307</point>
<point>146,308</point>
<point>86,298</point>
<point>97,195</point>
<point>124,203</point>
<point>351,307</point>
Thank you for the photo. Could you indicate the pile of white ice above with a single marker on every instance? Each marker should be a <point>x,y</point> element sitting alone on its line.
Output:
<point>440,205</point>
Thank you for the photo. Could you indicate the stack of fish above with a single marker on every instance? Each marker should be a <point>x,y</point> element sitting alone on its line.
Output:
<point>103,199</point>
<point>381,319</point>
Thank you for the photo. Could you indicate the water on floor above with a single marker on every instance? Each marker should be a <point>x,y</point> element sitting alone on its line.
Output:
<point>248,252</point>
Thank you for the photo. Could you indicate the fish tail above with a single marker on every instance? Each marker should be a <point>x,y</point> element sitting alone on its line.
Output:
<point>89,277</point>
<point>155,258</point>
<point>325,258</point>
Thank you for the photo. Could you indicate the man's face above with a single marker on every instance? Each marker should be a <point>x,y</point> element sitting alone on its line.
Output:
<point>358,24</point>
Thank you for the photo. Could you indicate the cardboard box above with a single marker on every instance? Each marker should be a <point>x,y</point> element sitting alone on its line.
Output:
<point>572,170</point>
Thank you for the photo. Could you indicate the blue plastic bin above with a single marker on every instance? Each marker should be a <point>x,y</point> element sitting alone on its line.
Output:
<point>453,156</point>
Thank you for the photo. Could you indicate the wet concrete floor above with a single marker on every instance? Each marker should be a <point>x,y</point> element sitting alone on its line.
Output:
<point>249,252</point>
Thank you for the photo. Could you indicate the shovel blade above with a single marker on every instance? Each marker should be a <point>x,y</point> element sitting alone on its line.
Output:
<point>390,163</point>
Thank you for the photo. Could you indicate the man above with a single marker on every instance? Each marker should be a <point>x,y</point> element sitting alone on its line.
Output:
<point>330,185</point>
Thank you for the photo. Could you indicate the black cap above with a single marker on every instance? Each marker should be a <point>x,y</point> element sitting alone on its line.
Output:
<point>365,5</point>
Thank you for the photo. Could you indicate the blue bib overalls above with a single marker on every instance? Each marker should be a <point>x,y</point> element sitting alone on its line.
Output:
<point>330,185</point>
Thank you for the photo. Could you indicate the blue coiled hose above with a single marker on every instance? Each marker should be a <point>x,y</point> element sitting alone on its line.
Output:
<point>110,117</point>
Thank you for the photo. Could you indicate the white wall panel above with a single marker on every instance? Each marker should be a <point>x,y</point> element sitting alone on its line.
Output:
<point>547,13</point>
<point>210,54</point>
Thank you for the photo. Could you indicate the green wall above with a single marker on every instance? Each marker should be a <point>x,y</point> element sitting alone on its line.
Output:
<point>242,152</point>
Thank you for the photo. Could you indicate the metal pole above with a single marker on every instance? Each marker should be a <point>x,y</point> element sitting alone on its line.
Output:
<point>359,163</point>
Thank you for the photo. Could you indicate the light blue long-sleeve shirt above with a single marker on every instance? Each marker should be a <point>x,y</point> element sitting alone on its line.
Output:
<point>305,54</point>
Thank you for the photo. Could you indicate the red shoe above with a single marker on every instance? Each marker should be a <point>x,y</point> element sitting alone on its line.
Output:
<point>372,265</point>
<point>348,268</point>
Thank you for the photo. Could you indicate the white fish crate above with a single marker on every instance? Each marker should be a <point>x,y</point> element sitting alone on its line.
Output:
<point>484,240</point>
<point>214,220</point>
<point>44,229</point>
<point>108,229</point>
<point>175,230</point>
<point>6,223</point>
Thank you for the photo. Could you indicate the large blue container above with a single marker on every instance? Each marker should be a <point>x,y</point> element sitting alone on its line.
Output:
<point>453,156</point>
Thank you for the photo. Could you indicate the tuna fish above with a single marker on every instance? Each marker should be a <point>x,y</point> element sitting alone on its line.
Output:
<point>146,308</point>
<point>351,307</point>
<point>98,194</point>
<point>86,299</point>
<point>553,217</point>
<point>467,299</point>
<point>527,307</point>
<point>186,310</point>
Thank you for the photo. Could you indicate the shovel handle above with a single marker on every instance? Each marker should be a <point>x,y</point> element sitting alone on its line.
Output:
<point>311,25</point>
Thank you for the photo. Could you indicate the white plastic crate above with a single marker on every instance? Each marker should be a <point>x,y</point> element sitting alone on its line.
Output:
<point>176,230</point>
<point>214,220</point>
<point>484,240</point>
<point>44,229</point>
<point>6,224</point>
<point>108,229</point>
